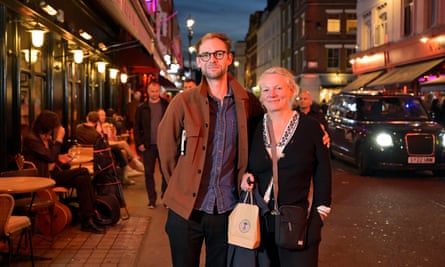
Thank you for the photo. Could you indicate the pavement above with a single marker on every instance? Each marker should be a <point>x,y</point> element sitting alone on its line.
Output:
<point>138,241</point>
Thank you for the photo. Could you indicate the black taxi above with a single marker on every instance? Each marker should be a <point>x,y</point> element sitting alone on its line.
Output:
<point>378,131</point>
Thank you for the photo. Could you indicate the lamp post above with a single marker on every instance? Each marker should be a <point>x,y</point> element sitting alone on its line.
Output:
<point>189,24</point>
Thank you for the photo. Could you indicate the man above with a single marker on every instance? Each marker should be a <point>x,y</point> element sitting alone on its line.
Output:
<point>307,106</point>
<point>148,116</point>
<point>87,134</point>
<point>189,84</point>
<point>203,147</point>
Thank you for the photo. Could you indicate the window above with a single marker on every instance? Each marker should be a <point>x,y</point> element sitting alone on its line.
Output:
<point>351,23</point>
<point>381,29</point>
<point>407,17</point>
<point>366,35</point>
<point>303,25</point>
<point>334,24</point>
<point>333,57</point>
<point>432,13</point>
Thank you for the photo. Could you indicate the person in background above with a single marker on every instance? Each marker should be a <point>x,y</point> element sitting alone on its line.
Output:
<point>298,139</point>
<point>87,133</point>
<point>189,84</point>
<point>203,147</point>
<point>307,106</point>
<point>109,129</point>
<point>131,110</point>
<point>436,111</point>
<point>40,148</point>
<point>148,116</point>
<point>116,120</point>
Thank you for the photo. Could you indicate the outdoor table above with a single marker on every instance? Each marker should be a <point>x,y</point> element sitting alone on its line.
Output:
<point>26,184</point>
<point>81,159</point>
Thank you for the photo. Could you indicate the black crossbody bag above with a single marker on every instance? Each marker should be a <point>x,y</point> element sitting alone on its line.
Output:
<point>291,221</point>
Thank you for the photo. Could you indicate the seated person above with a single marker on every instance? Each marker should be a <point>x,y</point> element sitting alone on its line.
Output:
<point>86,134</point>
<point>40,148</point>
<point>110,130</point>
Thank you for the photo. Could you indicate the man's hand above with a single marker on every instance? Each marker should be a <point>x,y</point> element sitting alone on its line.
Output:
<point>326,138</point>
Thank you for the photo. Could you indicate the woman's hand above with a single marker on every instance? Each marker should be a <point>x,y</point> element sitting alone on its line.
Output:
<point>141,148</point>
<point>59,133</point>
<point>65,158</point>
<point>247,182</point>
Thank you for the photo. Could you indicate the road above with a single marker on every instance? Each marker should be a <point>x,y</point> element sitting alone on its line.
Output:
<point>389,219</point>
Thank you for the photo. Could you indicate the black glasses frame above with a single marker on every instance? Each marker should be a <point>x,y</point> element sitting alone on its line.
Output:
<point>218,54</point>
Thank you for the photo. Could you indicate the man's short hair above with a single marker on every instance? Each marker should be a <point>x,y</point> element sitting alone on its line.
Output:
<point>93,116</point>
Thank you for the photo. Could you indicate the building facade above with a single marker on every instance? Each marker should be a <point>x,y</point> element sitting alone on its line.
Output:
<point>313,39</point>
<point>400,47</point>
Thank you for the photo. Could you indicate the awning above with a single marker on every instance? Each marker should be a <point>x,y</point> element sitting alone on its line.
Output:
<point>405,74</point>
<point>362,80</point>
<point>134,57</point>
<point>132,17</point>
<point>163,81</point>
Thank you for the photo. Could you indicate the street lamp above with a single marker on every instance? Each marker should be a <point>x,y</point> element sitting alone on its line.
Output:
<point>189,24</point>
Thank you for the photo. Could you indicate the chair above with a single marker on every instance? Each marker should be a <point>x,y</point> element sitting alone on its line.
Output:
<point>9,225</point>
<point>22,201</point>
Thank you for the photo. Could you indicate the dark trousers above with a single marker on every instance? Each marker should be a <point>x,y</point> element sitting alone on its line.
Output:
<point>150,155</point>
<point>282,257</point>
<point>187,236</point>
<point>80,179</point>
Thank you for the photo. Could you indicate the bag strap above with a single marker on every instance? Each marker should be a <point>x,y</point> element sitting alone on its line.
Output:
<point>273,147</point>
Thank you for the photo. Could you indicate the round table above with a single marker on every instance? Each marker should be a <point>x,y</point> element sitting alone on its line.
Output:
<point>24,184</point>
<point>80,159</point>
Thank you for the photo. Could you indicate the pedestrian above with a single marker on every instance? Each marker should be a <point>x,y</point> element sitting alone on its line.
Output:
<point>307,106</point>
<point>304,170</point>
<point>189,84</point>
<point>436,110</point>
<point>131,110</point>
<point>40,148</point>
<point>203,146</point>
<point>148,116</point>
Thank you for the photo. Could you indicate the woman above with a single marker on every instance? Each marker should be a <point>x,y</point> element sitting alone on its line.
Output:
<point>303,165</point>
<point>40,148</point>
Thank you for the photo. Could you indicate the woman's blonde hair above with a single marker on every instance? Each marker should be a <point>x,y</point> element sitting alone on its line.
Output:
<point>290,80</point>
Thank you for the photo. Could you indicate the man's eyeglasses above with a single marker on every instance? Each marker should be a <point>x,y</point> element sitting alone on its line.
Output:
<point>219,54</point>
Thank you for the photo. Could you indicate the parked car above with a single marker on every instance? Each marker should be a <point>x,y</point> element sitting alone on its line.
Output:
<point>376,131</point>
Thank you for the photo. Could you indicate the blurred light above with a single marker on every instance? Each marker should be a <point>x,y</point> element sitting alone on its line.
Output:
<point>189,23</point>
<point>124,77</point>
<point>384,140</point>
<point>78,56</point>
<point>113,73</point>
<point>85,35</point>
<point>101,66</point>
<point>48,8</point>
<point>102,47</point>
<point>34,55</point>
<point>37,35</point>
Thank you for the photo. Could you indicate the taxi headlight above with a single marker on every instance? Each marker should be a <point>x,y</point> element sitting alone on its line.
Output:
<point>384,140</point>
